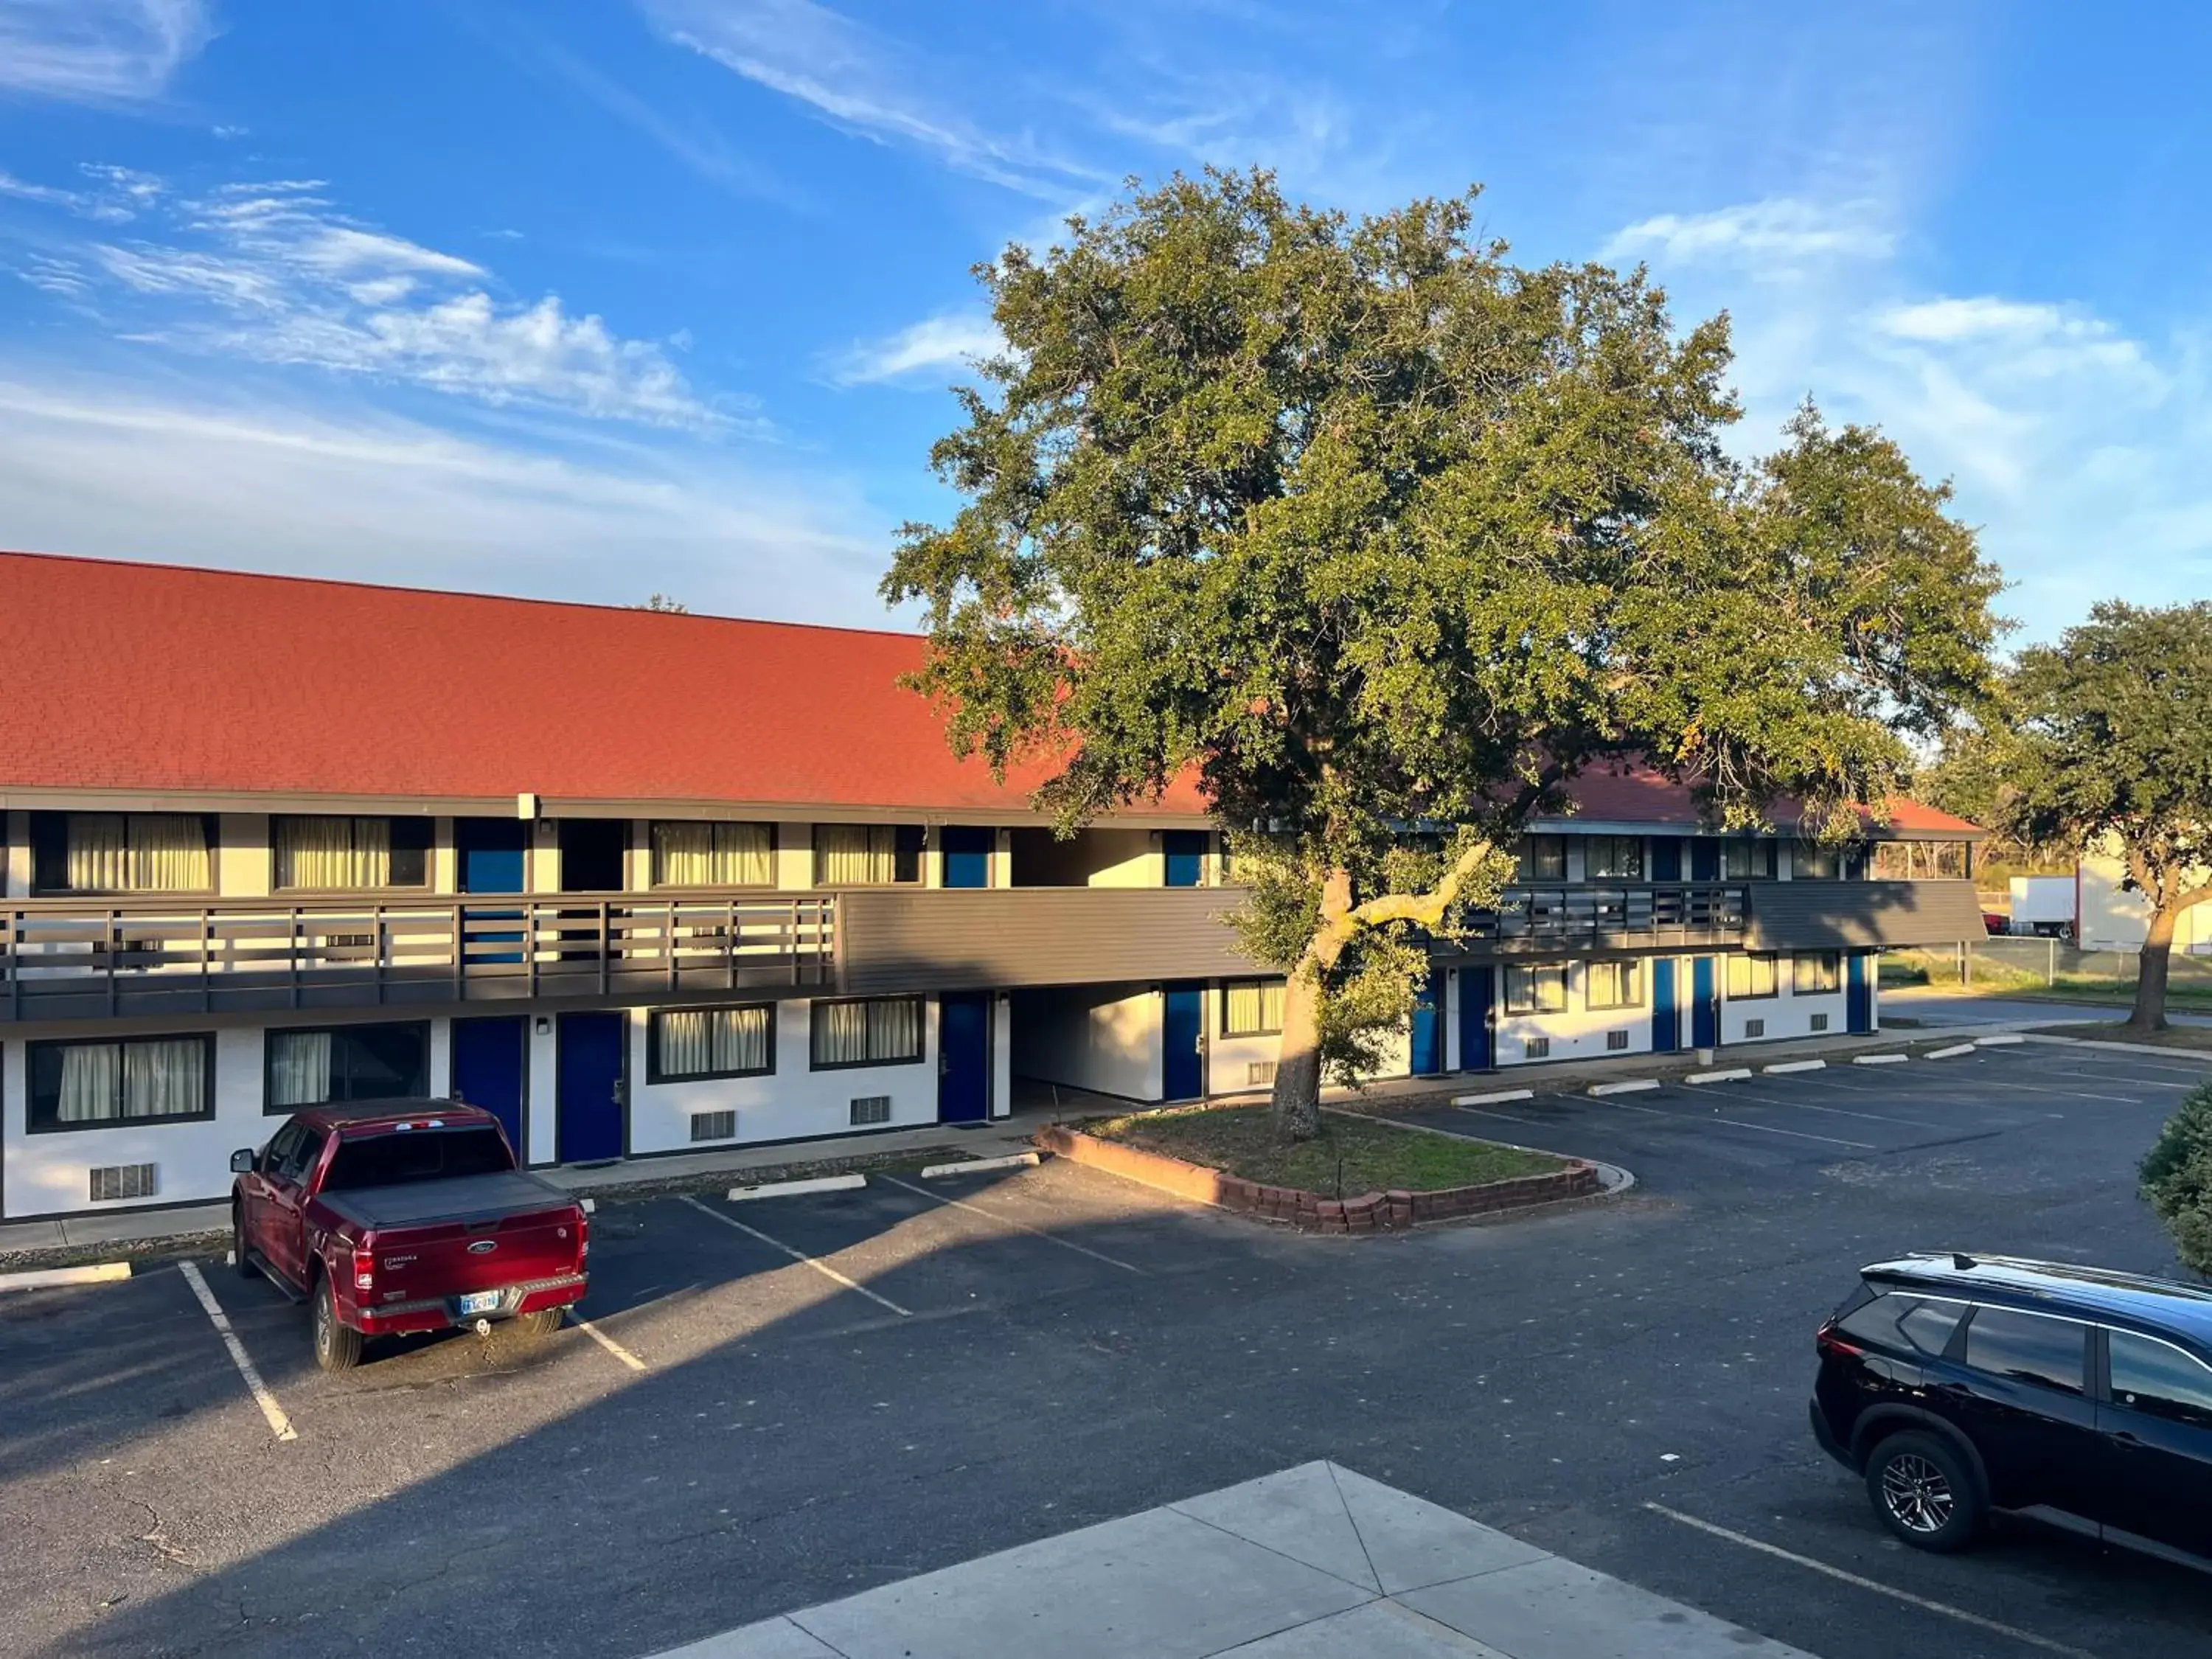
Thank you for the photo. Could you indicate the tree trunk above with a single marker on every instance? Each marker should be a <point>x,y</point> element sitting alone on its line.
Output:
<point>1297,1102</point>
<point>2150,1011</point>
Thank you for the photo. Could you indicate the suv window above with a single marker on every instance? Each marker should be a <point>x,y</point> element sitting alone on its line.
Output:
<point>1904,1321</point>
<point>2157,1378</point>
<point>2027,1347</point>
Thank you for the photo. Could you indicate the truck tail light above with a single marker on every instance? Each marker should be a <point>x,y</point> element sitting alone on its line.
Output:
<point>583,1237</point>
<point>364,1265</point>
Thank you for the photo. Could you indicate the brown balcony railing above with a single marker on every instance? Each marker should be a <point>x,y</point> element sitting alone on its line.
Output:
<point>1623,917</point>
<point>71,958</point>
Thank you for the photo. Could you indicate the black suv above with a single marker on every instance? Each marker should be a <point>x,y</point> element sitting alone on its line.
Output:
<point>1957,1385</point>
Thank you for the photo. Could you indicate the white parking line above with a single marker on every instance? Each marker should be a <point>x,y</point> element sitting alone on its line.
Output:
<point>1716,1115</point>
<point>1503,1117</point>
<point>279,1424</point>
<point>822,1267</point>
<point>2028,1636</point>
<point>1022,1226</point>
<point>1839,1111</point>
<point>609,1344</point>
<point>2075,1094</point>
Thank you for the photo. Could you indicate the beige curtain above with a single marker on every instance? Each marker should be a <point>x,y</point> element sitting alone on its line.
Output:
<point>687,1042</point>
<point>333,852</point>
<point>1255,1007</point>
<point>168,852</point>
<point>840,1033</point>
<point>299,1068</point>
<point>164,1077</point>
<point>713,854</point>
<point>99,853</point>
<point>1750,976</point>
<point>89,1077</point>
<point>857,854</point>
<point>697,1041</point>
<point>894,1029</point>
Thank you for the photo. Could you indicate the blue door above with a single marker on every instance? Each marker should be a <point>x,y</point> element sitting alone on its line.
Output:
<point>1182,1023</point>
<point>1705,1004</point>
<point>589,1112</point>
<point>489,855</point>
<point>963,1058</point>
<point>1704,859</point>
<point>1858,1002</point>
<point>1477,1046</point>
<point>967,856</point>
<point>1665,858</point>
<point>1428,1044</point>
<point>1666,1018</point>
<point>1186,857</point>
<point>490,1057</point>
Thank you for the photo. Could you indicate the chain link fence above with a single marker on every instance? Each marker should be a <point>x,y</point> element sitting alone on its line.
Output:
<point>2041,965</point>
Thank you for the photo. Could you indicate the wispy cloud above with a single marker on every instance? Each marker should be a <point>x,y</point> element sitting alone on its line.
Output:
<point>1780,230</point>
<point>97,50</point>
<point>115,196</point>
<point>1949,319</point>
<point>952,342</point>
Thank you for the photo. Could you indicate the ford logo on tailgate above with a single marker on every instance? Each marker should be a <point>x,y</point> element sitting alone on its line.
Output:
<point>483,1246</point>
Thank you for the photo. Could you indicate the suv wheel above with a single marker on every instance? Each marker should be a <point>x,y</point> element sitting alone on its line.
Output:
<point>1925,1491</point>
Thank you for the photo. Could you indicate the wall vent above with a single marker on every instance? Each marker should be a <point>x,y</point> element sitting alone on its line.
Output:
<point>1536,1048</point>
<point>1260,1074</point>
<point>715,1126</point>
<point>1819,1022</point>
<point>122,1181</point>
<point>1754,1028</point>
<point>1616,1040</point>
<point>870,1108</point>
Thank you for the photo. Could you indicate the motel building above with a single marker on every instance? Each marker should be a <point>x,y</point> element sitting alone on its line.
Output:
<point>645,884</point>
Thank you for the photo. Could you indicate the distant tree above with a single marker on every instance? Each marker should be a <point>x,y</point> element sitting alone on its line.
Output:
<point>1388,539</point>
<point>663,602</point>
<point>1974,777</point>
<point>2115,748</point>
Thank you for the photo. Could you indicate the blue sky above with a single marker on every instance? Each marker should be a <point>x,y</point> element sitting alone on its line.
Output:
<point>591,299</point>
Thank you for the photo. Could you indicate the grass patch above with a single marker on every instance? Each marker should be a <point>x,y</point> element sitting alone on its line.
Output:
<point>2174,1037</point>
<point>1372,1155</point>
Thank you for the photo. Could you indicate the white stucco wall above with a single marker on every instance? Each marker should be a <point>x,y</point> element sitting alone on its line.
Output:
<point>1101,1037</point>
<point>1786,1014</point>
<point>1578,1031</point>
<point>245,863</point>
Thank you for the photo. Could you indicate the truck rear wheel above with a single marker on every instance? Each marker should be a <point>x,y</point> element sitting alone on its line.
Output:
<point>336,1348</point>
<point>543,1322</point>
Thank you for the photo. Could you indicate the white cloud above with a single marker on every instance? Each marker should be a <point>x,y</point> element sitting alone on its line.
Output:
<point>1960,319</point>
<point>97,50</point>
<point>1780,230</point>
<point>119,194</point>
<point>938,344</point>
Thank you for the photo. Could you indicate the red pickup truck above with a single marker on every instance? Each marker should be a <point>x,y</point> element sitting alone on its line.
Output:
<point>405,1216</point>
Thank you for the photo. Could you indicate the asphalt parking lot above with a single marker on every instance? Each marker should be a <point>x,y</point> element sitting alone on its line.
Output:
<point>778,1402</point>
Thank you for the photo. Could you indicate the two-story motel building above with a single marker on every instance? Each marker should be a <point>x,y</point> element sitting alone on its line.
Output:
<point>643,883</point>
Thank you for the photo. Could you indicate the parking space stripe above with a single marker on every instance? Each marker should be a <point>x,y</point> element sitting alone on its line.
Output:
<point>1505,1117</point>
<point>822,1267</point>
<point>1839,1111</point>
<point>1716,1116</point>
<point>609,1344</point>
<point>279,1424</point>
<point>1008,1221</point>
<point>2074,1094</point>
<point>2027,1636</point>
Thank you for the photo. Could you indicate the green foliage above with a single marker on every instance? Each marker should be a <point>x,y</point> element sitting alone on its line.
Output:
<point>2177,1181</point>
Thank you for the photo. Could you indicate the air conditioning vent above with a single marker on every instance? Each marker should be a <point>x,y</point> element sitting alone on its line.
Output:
<point>870,1108</point>
<point>1616,1040</point>
<point>715,1126</point>
<point>1535,1047</point>
<point>1260,1074</point>
<point>1819,1022</point>
<point>1754,1028</point>
<point>122,1181</point>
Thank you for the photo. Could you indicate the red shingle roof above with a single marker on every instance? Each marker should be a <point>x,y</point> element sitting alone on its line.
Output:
<point>1640,794</point>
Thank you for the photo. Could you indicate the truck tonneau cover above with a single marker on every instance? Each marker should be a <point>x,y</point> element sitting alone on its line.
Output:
<point>465,1198</point>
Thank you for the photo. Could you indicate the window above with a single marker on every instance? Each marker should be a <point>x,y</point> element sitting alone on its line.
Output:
<point>705,855</point>
<point>337,852</point>
<point>1747,860</point>
<point>2158,1379</point>
<point>1816,973</point>
<point>1536,990</point>
<point>1613,858</point>
<point>1905,1323</point>
<point>1750,977</point>
<point>1542,857</point>
<point>1808,862</point>
<point>346,1062</point>
<point>93,1085</point>
<point>703,1043</point>
<point>879,1031</point>
<point>2024,1347</point>
<point>1613,985</point>
<point>1252,1007</point>
<point>866,854</point>
<point>399,1157</point>
<point>122,852</point>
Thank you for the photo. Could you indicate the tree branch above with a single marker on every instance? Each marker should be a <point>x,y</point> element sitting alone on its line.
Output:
<point>1427,909</point>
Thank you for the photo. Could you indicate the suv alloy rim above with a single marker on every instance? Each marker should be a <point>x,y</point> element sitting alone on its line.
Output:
<point>1918,1493</point>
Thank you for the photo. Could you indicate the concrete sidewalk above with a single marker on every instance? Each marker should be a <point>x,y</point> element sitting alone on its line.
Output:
<point>1315,1561</point>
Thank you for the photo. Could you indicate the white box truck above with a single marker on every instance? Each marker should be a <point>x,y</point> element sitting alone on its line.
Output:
<point>2043,906</point>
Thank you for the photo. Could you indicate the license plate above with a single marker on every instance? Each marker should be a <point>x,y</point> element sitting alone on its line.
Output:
<point>482,1302</point>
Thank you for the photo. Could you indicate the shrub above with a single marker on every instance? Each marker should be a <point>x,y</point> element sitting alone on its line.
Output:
<point>2177,1180</point>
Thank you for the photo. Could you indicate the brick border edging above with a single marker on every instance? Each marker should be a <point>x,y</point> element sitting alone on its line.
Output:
<point>1370,1213</point>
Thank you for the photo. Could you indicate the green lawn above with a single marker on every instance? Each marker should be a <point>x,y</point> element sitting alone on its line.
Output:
<point>1354,1155</point>
<point>2174,1037</point>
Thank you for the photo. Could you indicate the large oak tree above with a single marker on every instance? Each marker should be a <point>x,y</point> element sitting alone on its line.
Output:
<point>1389,538</point>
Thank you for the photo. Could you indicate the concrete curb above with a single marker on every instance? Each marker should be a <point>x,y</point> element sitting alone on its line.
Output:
<point>1999,1040</point>
<point>1952,1053</point>
<point>835,1183</point>
<point>1880,1060</point>
<point>1634,1085</point>
<point>1011,1161</point>
<point>1794,1066</point>
<point>1732,1074</point>
<point>1496,1098</point>
<point>2204,1055</point>
<point>40,1278</point>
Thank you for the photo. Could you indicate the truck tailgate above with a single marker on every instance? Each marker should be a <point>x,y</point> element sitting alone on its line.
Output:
<point>437,1239</point>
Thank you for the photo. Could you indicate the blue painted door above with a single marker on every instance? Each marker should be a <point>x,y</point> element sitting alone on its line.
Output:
<point>1186,857</point>
<point>1665,858</point>
<point>1428,1044</point>
<point>489,855</point>
<point>1666,1018</point>
<point>1858,999</point>
<point>589,1109</point>
<point>490,1057</point>
<point>967,855</point>
<point>1704,859</point>
<point>964,1059</point>
<point>1705,1004</point>
<point>1182,1022</point>
<point>1478,1044</point>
